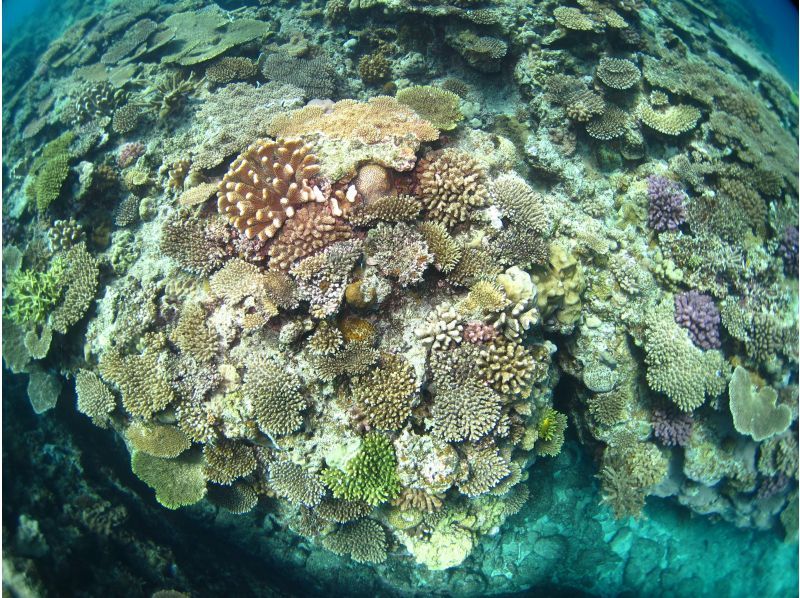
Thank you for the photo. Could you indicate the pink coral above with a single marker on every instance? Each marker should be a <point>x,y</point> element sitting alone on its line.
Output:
<point>129,153</point>
<point>478,333</point>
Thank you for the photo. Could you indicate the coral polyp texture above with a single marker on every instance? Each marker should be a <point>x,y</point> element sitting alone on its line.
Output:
<point>374,272</point>
<point>266,184</point>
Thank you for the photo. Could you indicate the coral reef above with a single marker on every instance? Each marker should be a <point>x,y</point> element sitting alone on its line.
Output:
<point>445,233</point>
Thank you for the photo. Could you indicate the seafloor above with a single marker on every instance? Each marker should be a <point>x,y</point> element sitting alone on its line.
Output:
<point>398,297</point>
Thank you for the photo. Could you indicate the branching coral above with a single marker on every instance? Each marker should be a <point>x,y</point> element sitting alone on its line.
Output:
<point>698,314</point>
<point>451,184</point>
<point>507,366</point>
<point>386,394</point>
<point>465,412</point>
<point>293,482</point>
<point>144,388</point>
<point>94,398</point>
<point>676,367</point>
<point>446,251</point>
<point>672,120</point>
<point>188,243</point>
<point>266,184</point>
<point>311,229</point>
<point>49,171</point>
<point>227,461</point>
<point>370,475</point>
<point>193,336</point>
<point>550,429</point>
<point>398,251</point>
<point>364,541</point>
<point>276,400</point>
<point>389,208</point>
<point>156,439</point>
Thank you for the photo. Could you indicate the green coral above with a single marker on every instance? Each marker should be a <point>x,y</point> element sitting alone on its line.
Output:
<point>178,482</point>
<point>50,170</point>
<point>370,476</point>
<point>438,106</point>
<point>31,295</point>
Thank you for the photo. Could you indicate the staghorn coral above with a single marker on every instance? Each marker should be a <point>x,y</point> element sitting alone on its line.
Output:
<point>293,482</point>
<point>370,475</point>
<point>451,184</point>
<point>438,106</point>
<point>227,461</point>
<point>387,393</point>
<point>266,184</point>
<point>550,430</point>
<point>364,541</point>
<point>618,73</point>
<point>94,398</point>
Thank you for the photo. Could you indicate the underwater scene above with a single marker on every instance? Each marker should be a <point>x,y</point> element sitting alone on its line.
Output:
<point>400,298</point>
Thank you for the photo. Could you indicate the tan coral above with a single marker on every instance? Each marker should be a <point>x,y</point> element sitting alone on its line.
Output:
<point>266,184</point>
<point>312,229</point>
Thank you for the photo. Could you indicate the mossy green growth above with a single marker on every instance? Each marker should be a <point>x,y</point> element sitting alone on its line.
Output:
<point>31,295</point>
<point>178,482</point>
<point>438,106</point>
<point>50,170</point>
<point>370,476</point>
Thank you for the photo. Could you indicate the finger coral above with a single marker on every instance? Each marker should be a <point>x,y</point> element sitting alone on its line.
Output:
<point>451,184</point>
<point>266,184</point>
<point>386,394</point>
<point>370,475</point>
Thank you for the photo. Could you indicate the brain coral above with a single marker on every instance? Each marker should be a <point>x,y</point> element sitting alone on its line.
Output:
<point>266,184</point>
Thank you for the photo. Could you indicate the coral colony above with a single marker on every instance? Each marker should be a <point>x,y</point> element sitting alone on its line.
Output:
<point>318,279</point>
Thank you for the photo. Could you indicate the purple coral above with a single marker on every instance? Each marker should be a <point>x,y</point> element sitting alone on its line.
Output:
<point>478,333</point>
<point>789,249</point>
<point>671,427</point>
<point>666,210</point>
<point>129,153</point>
<point>773,486</point>
<point>698,314</point>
